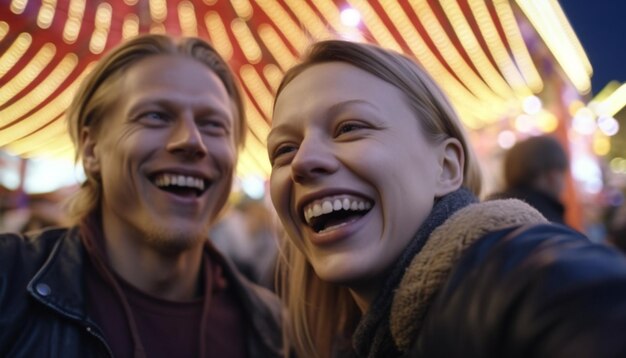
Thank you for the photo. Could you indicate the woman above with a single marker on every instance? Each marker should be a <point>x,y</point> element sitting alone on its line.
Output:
<point>389,251</point>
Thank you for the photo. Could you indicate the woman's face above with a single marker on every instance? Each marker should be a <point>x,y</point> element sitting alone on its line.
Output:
<point>353,176</point>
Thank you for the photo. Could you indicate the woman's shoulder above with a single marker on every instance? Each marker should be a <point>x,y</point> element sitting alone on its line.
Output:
<point>542,289</point>
<point>431,267</point>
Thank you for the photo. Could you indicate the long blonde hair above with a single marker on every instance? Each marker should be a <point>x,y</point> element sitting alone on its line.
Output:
<point>98,93</point>
<point>323,315</point>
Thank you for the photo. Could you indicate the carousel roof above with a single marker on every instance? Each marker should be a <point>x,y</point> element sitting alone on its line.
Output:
<point>489,56</point>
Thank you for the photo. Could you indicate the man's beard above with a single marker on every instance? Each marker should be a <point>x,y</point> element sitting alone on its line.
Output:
<point>172,241</point>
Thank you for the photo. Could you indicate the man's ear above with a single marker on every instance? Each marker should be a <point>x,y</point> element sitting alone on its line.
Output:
<point>91,159</point>
<point>451,161</point>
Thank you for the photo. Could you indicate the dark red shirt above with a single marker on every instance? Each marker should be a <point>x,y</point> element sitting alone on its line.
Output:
<point>167,328</point>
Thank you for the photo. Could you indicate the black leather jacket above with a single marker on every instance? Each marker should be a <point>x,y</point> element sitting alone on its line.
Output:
<point>543,291</point>
<point>43,308</point>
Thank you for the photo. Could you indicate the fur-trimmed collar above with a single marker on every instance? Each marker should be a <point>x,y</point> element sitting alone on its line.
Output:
<point>429,270</point>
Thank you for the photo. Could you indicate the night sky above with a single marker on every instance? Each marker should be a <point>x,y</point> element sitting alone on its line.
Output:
<point>601,29</point>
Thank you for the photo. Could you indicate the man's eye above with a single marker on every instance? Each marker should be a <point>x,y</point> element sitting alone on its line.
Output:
<point>153,116</point>
<point>213,126</point>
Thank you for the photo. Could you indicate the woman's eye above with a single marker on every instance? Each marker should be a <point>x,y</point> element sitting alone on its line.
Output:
<point>282,151</point>
<point>349,127</point>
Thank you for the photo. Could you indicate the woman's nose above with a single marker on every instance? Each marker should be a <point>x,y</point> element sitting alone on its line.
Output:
<point>313,159</point>
<point>186,139</point>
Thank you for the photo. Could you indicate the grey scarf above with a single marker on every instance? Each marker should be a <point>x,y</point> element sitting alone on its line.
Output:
<point>372,337</point>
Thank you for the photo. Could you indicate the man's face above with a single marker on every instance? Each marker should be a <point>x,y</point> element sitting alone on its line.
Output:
<point>165,153</point>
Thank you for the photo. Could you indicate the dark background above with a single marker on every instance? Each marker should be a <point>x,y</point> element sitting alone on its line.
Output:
<point>601,28</point>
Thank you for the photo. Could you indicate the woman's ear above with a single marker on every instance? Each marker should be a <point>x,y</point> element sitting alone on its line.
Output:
<point>91,160</point>
<point>451,161</point>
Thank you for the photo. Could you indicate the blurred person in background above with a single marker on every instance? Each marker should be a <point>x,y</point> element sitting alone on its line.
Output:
<point>247,235</point>
<point>389,253</point>
<point>158,124</point>
<point>535,171</point>
<point>615,225</point>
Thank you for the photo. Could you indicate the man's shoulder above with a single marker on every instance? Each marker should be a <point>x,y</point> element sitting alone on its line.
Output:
<point>28,247</point>
<point>38,237</point>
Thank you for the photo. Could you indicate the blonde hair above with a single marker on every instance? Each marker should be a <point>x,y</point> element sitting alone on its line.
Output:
<point>98,93</point>
<point>322,314</point>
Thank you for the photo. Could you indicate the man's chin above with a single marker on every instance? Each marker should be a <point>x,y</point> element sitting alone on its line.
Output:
<point>173,242</point>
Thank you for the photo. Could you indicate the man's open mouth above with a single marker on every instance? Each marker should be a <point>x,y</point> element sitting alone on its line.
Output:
<point>182,185</point>
<point>335,211</point>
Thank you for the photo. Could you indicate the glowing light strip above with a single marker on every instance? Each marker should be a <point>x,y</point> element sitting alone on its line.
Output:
<point>605,92</point>
<point>573,39</point>
<point>498,50</point>
<point>309,19</point>
<point>273,75</point>
<point>256,122</point>
<point>28,73</point>
<point>187,19</point>
<point>15,52</point>
<point>100,33</point>
<point>104,13</point>
<point>289,28</point>
<point>46,13</point>
<point>65,153</point>
<point>38,139</point>
<point>217,33</point>
<point>453,58</point>
<point>255,159</point>
<point>375,25</point>
<point>518,47</point>
<point>130,27</point>
<point>457,92</point>
<point>259,91</point>
<point>59,146</point>
<point>258,151</point>
<point>55,108</point>
<point>476,54</point>
<point>242,8</point>
<point>4,29</point>
<point>615,101</point>
<point>279,50</point>
<point>45,89</point>
<point>18,6</point>
<point>74,21</point>
<point>157,28</point>
<point>246,40</point>
<point>247,166</point>
<point>541,14</point>
<point>331,13</point>
<point>158,10</point>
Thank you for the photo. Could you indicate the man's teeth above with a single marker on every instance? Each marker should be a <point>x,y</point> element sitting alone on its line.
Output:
<point>327,206</point>
<point>164,180</point>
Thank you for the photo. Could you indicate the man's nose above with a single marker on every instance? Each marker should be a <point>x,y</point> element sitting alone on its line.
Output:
<point>186,138</point>
<point>314,159</point>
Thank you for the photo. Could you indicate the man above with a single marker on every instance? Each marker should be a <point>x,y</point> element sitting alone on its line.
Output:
<point>158,124</point>
<point>535,170</point>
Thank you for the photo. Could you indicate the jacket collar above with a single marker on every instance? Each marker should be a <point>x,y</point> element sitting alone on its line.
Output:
<point>59,282</point>
<point>429,270</point>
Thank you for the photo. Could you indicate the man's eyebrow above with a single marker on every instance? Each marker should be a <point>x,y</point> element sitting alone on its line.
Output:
<point>167,101</point>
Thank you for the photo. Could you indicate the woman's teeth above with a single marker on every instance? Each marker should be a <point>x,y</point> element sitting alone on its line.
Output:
<point>327,206</point>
